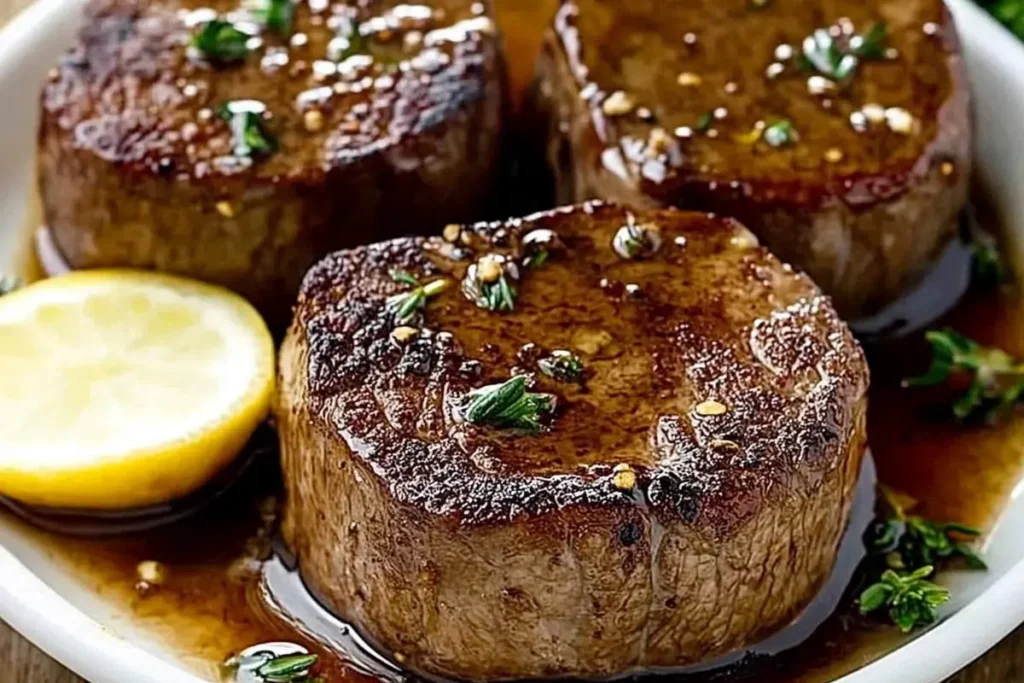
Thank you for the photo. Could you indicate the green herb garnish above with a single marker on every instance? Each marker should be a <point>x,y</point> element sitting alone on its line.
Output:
<point>221,41</point>
<point>871,44</point>
<point>636,240</point>
<point>287,669</point>
<point>562,365</point>
<point>910,542</point>
<point>997,378</point>
<point>780,134</point>
<point>250,138</point>
<point>488,283</point>
<point>925,543</point>
<point>407,304</point>
<point>266,667</point>
<point>508,405</point>
<point>9,283</point>
<point>704,122</point>
<point>823,53</point>
<point>276,15</point>
<point>987,267</point>
<point>911,599</point>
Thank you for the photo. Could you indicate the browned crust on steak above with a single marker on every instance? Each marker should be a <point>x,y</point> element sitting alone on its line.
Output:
<point>865,227</point>
<point>487,554</point>
<point>136,168</point>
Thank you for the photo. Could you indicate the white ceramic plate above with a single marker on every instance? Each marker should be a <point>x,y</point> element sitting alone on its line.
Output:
<point>45,601</point>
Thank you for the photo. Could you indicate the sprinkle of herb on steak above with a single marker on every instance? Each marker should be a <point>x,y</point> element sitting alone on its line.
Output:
<point>221,42</point>
<point>406,305</point>
<point>489,283</point>
<point>637,241</point>
<point>562,365</point>
<point>251,139</point>
<point>508,406</point>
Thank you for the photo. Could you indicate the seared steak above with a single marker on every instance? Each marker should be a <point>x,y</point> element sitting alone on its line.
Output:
<point>837,130</point>
<point>683,496</point>
<point>385,120</point>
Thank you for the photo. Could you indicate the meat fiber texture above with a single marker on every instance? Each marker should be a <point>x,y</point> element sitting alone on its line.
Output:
<point>719,379</point>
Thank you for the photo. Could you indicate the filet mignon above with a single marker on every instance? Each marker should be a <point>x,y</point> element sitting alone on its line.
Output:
<point>837,130</point>
<point>382,119</point>
<point>663,476</point>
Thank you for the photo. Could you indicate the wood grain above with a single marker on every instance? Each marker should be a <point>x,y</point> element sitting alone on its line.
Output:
<point>21,662</point>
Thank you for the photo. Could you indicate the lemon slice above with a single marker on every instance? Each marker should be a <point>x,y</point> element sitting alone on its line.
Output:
<point>122,389</point>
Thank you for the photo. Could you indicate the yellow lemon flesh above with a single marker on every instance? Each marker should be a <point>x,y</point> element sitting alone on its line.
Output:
<point>123,389</point>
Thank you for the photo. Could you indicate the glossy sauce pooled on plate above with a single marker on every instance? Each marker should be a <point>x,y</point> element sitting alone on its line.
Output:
<point>211,603</point>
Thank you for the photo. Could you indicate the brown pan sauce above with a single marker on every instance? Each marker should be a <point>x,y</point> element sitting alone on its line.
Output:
<point>212,603</point>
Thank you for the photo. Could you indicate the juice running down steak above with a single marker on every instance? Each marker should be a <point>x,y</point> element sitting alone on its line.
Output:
<point>584,443</point>
<point>239,145</point>
<point>837,130</point>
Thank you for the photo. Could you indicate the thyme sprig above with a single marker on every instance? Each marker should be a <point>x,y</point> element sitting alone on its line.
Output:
<point>221,41</point>
<point>997,378</point>
<point>904,550</point>
<point>911,598</point>
<point>908,542</point>
<point>406,305</point>
<point>508,405</point>
<point>562,365</point>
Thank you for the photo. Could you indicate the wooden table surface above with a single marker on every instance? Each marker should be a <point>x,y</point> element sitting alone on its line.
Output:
<point>18,658</point>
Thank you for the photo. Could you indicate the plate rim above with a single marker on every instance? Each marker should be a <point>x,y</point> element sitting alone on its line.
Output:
<point>64,632</point>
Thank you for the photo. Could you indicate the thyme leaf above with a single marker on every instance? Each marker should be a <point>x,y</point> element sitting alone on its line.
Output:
<point>780,134</point>
<point>823,53</point>
<point>704,122</point>
<point>488,283</point>
<point>562,365</point>
<point>287,668</point>
<point>265,666</point>
<point>911,598</point>
<point>508,405</point>
<point>276,15</point>
<point>997,378</point>
<point>911,541</point>
<point>871,44</point>
<point>245,117</point>
<point>221,41</point>
<point>406,305</point>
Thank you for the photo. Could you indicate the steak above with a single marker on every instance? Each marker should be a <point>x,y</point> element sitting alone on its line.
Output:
<point>837,130</point>
<point>663,476</point>
<point>379,121</point>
